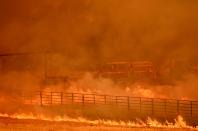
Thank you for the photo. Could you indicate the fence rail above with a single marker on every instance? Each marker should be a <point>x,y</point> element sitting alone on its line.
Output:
<point>151,106</point>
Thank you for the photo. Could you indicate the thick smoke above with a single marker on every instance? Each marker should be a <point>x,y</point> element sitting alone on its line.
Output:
<point>185,90</point>
<point>90,32</point>
<point>93,31</point>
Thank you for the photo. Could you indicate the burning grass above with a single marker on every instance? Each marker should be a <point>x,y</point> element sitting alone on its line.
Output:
<point>65,122</point>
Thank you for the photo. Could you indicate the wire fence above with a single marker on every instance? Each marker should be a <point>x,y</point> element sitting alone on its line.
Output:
<point>151,106</point>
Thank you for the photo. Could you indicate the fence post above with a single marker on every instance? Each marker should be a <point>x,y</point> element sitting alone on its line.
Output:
<point>83,99</point>
<point>94,98</point>
<point>116,100</point>
<point>165,104</point>
<point>105,99</point>
<point>41,99</point>
<point>128,102</point>
<point>152,102</point>
<point>140,104</point>
<point>72,98</point>
<point>61,98</point>
<point>177,106</point>
<point>191,112</point>
<point>51,98</point>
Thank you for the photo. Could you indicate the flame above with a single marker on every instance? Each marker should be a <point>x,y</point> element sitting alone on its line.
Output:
<point>179,121</point>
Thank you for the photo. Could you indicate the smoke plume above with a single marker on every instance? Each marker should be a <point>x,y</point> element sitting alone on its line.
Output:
<point>88,32</point>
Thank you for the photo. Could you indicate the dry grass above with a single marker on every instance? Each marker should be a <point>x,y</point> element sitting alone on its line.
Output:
<point>7,124</point>
<point>76,128</point>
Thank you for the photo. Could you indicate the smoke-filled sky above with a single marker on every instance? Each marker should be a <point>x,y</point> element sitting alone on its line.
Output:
<point>93,31</point>
<point>87,32</point>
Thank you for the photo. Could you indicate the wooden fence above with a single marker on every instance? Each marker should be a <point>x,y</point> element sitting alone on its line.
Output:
<point>150,106</point>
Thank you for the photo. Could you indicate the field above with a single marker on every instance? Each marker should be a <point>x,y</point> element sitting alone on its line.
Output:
<point>8,124</point>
